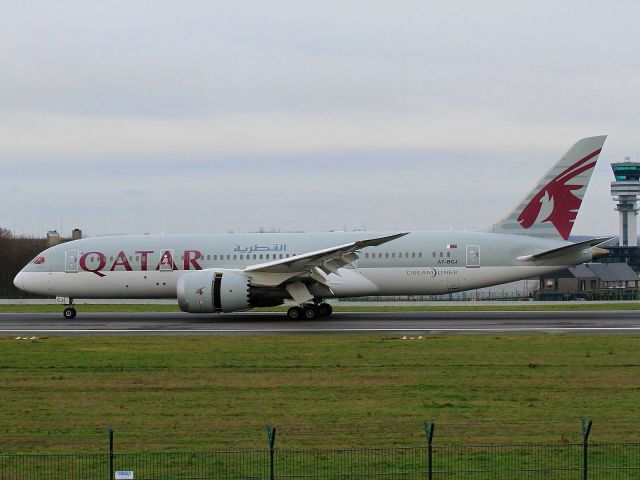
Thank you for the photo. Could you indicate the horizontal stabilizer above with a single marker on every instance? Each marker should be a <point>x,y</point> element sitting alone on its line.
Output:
<point>567,249</point>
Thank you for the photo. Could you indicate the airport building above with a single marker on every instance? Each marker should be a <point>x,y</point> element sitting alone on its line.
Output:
<point>590,281</point>
<point>625,190</point>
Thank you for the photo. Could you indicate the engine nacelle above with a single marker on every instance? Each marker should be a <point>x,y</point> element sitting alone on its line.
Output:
<point>216,290</point>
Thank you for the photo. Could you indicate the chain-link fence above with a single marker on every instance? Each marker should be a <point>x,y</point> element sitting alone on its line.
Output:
<point>560,461</point>
<point>508,462</point>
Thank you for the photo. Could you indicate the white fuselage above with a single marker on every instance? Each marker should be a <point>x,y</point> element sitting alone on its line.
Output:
<point>149,266</point>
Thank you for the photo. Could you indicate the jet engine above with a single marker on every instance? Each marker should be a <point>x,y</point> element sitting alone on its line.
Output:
<point>207,291</point>
<point>223,290</point>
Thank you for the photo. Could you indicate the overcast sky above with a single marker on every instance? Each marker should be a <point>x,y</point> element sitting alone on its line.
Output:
<point>177,117</point>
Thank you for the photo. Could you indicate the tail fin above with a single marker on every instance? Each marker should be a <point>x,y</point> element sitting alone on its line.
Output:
<point>550,209</point>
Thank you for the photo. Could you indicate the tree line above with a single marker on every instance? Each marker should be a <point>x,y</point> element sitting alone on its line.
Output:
<point>15,253</point>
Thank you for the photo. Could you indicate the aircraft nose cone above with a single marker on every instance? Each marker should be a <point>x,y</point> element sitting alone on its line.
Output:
<point>19,281</point>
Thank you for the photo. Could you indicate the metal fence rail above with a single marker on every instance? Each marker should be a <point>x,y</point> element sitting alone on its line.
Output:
<point>50,466</point>
<point>195,466</point>
<point>615,461</point>
<point>562,461</point>
<point>619,461</point>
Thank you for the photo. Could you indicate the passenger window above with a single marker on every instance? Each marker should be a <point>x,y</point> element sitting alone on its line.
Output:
<point>228,257</point>
<point>406,254</point>
<point>393,254</point>
<point>413,254</point>
<point>208,257</point>
<point>441,255</point>
<point>234,257</point>
<point>419,254</point>
<point>280,255</point>
<point>366,255</point>
<point>386,255</point>
<point>241,257</point>
<point>448,254</point>
<point>434,254</point>
<point>215,257</point>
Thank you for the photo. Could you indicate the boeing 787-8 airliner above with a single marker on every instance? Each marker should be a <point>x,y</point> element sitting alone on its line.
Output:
<point>232,272</point>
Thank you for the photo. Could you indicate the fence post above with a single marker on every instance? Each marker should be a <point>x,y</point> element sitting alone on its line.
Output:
<point>428,429</point>
<point>586,429</point>
<point>111,472</point>
<point>271,436</point>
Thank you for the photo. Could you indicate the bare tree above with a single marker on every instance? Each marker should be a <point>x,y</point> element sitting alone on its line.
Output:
<point>15,253</point>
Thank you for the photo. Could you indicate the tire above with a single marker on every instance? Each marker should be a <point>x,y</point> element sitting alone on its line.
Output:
<point>294,313</point>
<point>69,313</point>
<point>325,310</point>
<point>310,312</point>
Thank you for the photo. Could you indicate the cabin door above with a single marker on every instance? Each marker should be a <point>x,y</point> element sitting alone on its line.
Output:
<point>473,256</point>
<point>71,261</point>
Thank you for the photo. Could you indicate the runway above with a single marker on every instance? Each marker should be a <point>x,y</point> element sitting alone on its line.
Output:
<point>406,323</point>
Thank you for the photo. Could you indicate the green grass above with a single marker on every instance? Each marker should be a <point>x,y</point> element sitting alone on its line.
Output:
<point>472,307</point>
<point>203,393</point>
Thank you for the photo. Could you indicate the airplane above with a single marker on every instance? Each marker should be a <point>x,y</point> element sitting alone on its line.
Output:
<point>233,272</point>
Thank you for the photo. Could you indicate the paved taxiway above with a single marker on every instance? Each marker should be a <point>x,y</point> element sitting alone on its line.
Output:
<point>277,323</point>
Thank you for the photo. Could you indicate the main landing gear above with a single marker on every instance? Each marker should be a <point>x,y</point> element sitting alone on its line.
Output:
<point>69,312</point>
<point>310,311</point>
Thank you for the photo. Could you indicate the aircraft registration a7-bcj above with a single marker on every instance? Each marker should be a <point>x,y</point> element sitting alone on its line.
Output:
<point>228,272</point>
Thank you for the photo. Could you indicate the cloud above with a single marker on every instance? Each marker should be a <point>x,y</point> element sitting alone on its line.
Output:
<point>278,133</point>
<point>305,115</point>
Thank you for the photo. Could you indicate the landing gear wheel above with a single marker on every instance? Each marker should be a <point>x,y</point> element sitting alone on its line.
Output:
<point>310,312</point>
<point>69,313</point>
<point>294,313</point>
<point>325,310</point>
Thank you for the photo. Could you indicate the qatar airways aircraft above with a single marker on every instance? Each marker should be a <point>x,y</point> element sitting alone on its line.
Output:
<point>227,273</point>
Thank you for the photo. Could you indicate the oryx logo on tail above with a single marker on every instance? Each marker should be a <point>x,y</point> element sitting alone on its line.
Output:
<point>556,201</point>
<point>551,207</point>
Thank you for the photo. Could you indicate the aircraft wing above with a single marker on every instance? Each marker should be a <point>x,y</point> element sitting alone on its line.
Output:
<point>312,265</point>
<point>574,247</point>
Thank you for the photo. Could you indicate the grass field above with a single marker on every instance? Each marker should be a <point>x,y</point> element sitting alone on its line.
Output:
<point>202,393</point>
<point>471,307</point>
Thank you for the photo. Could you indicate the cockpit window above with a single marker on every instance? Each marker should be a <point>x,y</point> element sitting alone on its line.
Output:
<point>38,260</point>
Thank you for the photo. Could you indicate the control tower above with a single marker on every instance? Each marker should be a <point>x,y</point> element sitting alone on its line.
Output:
<point>625,190</point>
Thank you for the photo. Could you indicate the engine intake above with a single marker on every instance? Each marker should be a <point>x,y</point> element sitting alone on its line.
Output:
<point>209,291</point>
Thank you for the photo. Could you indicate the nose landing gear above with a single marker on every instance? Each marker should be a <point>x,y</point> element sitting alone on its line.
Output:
<point>69,312</point>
